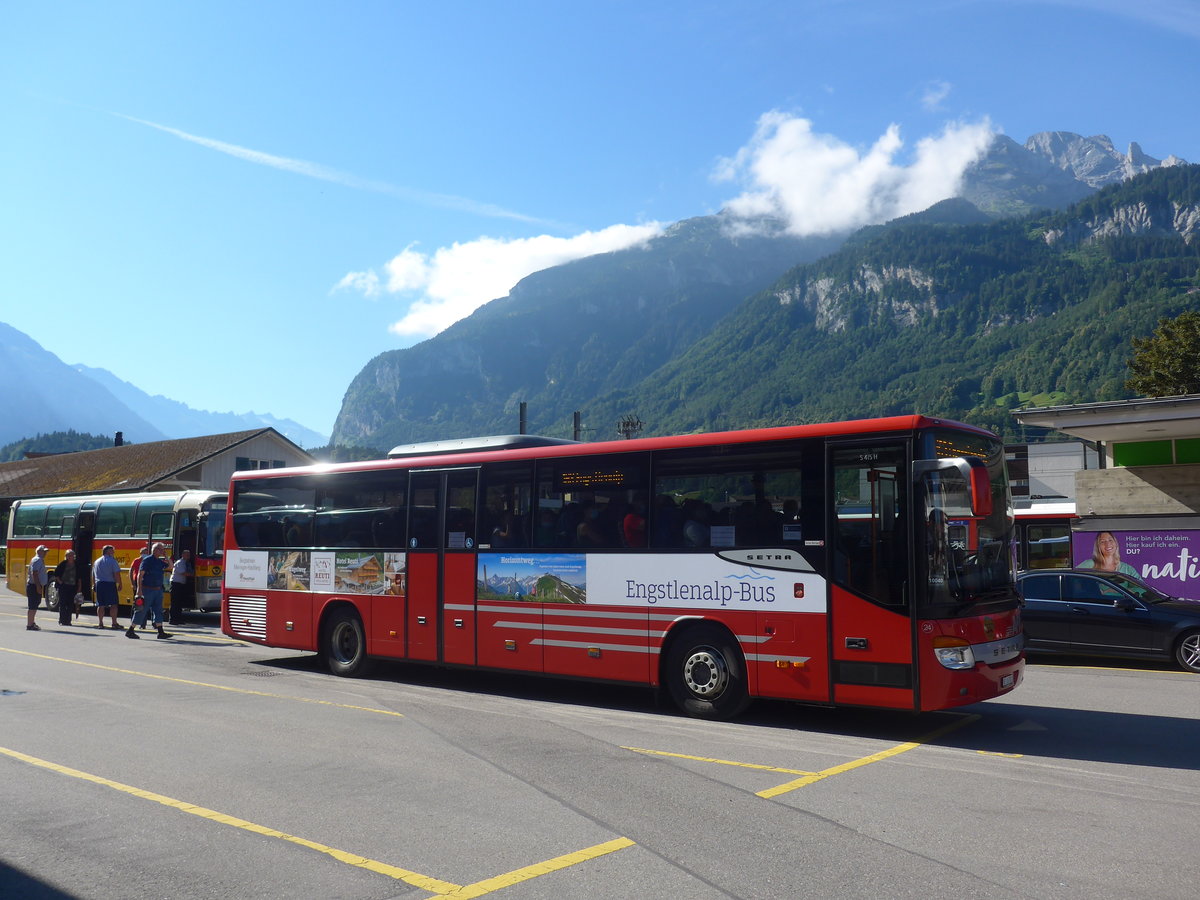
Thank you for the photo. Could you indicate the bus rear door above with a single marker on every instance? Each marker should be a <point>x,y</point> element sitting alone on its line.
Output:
<point>441,566</point>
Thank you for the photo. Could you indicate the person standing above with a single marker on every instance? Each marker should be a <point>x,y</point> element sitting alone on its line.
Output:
<point>134,567</point>
<point>35,585</point>
<point>150,582</point>
<point>106,578</point>
<point>66,573</point>
<point>182,583</point>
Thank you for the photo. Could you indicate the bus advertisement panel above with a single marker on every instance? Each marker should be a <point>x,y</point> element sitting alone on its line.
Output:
<point>815,563</point>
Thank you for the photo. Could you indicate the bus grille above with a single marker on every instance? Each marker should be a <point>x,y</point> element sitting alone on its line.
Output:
<point>248,617</point>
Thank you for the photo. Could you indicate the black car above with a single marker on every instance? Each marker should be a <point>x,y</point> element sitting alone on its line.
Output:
<point>1084,611</point>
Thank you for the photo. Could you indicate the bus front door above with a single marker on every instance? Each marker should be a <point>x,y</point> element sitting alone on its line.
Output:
<point>83,542</point>
<point>441,566</point>
<point>871,627</point>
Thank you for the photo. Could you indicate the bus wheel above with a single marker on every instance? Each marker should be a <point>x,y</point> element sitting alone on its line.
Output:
<point>52,596</point>
<point>706,673</point>
<point>345,644</point>
<point>1187,651</point>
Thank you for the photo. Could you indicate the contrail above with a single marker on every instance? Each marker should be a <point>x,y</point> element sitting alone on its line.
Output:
<point>325,173</point>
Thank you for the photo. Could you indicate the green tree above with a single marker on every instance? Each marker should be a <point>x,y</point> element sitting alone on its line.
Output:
<point>1168,362</point>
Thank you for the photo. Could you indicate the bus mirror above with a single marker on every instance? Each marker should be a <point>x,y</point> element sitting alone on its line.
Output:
<point>973,471</point>
<point>981,490</point>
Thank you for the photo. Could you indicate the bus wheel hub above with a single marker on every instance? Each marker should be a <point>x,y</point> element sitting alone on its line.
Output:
<point>704,673</point>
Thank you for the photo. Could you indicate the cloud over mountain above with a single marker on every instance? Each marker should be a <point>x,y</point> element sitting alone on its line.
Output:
<point>819,184</point>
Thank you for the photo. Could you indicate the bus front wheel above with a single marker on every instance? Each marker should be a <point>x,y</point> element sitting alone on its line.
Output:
<point>706,673</point>
<point>345,645</point>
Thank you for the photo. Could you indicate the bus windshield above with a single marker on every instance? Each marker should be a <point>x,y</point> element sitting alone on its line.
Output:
<point>210,529</point>
<point>968,523</point>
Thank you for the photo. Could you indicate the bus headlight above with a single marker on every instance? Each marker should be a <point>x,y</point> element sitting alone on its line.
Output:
<point>954,652</point>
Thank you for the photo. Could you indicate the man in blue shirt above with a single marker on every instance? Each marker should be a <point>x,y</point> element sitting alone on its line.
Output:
<point>106,576</point>
<point>149,589</point>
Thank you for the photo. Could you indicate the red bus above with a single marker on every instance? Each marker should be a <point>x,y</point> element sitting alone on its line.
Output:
<point>182,520</point>
<point>809,563</point>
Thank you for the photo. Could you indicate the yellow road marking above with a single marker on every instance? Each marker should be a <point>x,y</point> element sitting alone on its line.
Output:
<point>998,753</point>
<point>867,760</point>
<point>479,888</point>
<point>217,687</point>
<point>417,880</point>
<point>435,886</point>
<point>722,762</point>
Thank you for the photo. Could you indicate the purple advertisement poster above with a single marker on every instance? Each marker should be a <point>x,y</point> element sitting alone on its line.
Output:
<point>1168,561</point>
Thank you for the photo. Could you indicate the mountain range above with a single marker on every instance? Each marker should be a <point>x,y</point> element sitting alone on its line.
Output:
<point>42,394</point>
<point>1021,287</point>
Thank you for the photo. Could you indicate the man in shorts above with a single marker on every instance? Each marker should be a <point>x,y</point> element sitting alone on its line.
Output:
<point>35,584</point>
<point>106,576</point>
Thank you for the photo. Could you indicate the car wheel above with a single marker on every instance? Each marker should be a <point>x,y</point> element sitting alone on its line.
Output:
<point>345,645</point>
<point>1187,651</point>
<point>706,673</point>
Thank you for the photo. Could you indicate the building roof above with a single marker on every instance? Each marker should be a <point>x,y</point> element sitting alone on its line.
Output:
<point>1145,419</point>
<point>130,467</point>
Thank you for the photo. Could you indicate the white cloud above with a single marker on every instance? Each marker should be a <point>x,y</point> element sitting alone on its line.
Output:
<point>452,282</point>
<point>935,92</point>
<point>365,282</point>
<point>819,184</point>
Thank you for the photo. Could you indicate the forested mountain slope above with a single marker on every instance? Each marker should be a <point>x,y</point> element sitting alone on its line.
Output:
<point>565,335</point>
<point>963,321</point>
<point>900,318</point>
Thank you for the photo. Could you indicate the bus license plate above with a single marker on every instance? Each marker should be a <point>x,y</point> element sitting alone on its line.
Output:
<point>1007,680</point>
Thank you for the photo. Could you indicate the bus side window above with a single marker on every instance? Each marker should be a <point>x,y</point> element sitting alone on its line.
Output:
<point>1049,546</point>
<point>728,496</point>
<point>506,515</point>
<point>361,510</point>
<point>272,512</point>
<point>583,501</point>
<point>29,519</point>
<point>115,518</point>
<point>461,488</point>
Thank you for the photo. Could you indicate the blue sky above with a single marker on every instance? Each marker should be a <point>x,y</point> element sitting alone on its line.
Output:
<point>238,205</point>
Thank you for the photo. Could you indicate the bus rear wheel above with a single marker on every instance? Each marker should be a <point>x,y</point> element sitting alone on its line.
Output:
<point>706,673</point>
<point>344,644</point>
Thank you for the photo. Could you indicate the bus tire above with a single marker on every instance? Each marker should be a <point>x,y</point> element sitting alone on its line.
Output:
<point>706,673</point>
<point>52,597</point>
<point>1187,651</point>
<point>344,644</point>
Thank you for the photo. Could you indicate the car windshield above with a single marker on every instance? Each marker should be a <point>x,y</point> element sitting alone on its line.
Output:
<point>1139,589</point>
